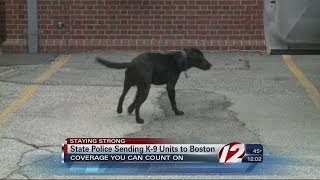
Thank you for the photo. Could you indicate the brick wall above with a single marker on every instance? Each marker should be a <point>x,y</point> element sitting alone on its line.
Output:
<point>142,24</point>
<point>2,22</point>
<point>15,25</point>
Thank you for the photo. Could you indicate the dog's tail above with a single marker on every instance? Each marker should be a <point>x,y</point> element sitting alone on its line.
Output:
<point>113,64</point>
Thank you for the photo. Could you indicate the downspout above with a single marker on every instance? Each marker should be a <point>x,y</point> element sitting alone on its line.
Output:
<point>32,12</point>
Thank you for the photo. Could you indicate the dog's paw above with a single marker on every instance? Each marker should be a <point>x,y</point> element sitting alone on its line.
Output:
<point>130,109</point>
<point>179,113</point>
<point>119,110</point>
<point>140,121</point>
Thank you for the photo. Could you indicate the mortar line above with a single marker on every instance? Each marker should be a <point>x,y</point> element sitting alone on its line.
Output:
<point>304,81</point>
<point>29,90</point>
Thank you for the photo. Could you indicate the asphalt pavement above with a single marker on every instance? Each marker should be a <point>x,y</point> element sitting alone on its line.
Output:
<point>245,97</point>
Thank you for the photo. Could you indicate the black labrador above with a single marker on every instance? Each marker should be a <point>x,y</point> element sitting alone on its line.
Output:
<point>156,68</point>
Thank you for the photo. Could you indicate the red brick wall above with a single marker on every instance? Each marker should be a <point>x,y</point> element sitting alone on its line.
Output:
<point>16,25</point>
<point>2,22</point>
<point>145,24</point>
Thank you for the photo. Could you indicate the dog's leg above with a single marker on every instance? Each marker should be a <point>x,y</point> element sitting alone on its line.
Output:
<point>131,107</point>
<point>143,91</point>
<point>127,86</point>
<point>172,96</point>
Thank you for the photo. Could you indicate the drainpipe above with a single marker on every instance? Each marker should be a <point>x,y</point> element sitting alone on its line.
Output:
<point>32,9</point>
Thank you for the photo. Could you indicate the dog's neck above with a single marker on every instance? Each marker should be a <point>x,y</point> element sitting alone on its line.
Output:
<point>187,64</point>
<point>186,58</point>
<point>184,53</point>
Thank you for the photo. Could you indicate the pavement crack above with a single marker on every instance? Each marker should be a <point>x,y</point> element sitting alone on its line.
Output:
<point>29,144</point>
<point>21,141</point>
<point>19,167</point>
<point>18,164</point>
<point>19,173</point>
<point>24,175</point>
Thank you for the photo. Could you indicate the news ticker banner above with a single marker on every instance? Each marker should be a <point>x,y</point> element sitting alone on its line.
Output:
<point>156,150</point>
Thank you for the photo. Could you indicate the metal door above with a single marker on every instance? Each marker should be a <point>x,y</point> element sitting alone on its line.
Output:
<point>292,26</point>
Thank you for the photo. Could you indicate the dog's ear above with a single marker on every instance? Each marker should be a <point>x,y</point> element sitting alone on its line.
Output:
<point>182,63</point>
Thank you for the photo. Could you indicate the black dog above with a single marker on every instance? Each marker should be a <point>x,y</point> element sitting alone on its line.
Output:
<point>156,68</point>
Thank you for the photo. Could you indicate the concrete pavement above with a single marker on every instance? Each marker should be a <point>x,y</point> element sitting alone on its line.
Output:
<point>246,97</point>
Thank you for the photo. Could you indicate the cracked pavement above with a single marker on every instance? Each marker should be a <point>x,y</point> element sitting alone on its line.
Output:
<point>22,162</point>
<point>246,97</point>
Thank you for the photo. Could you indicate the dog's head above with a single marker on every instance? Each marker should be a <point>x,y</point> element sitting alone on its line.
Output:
<point>194,58</point>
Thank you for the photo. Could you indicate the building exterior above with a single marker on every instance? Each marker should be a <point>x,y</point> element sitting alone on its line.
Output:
<point>134,25</point>
<point>2,22</point>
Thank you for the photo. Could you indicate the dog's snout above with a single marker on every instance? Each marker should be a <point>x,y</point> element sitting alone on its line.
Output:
<point>208,65</point>
<point>205,65</point>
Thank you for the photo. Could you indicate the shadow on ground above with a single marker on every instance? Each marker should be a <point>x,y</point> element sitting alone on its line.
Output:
<point>207,119</point>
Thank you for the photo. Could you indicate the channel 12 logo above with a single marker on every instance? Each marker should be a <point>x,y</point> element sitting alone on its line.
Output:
<point>236,152</point>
